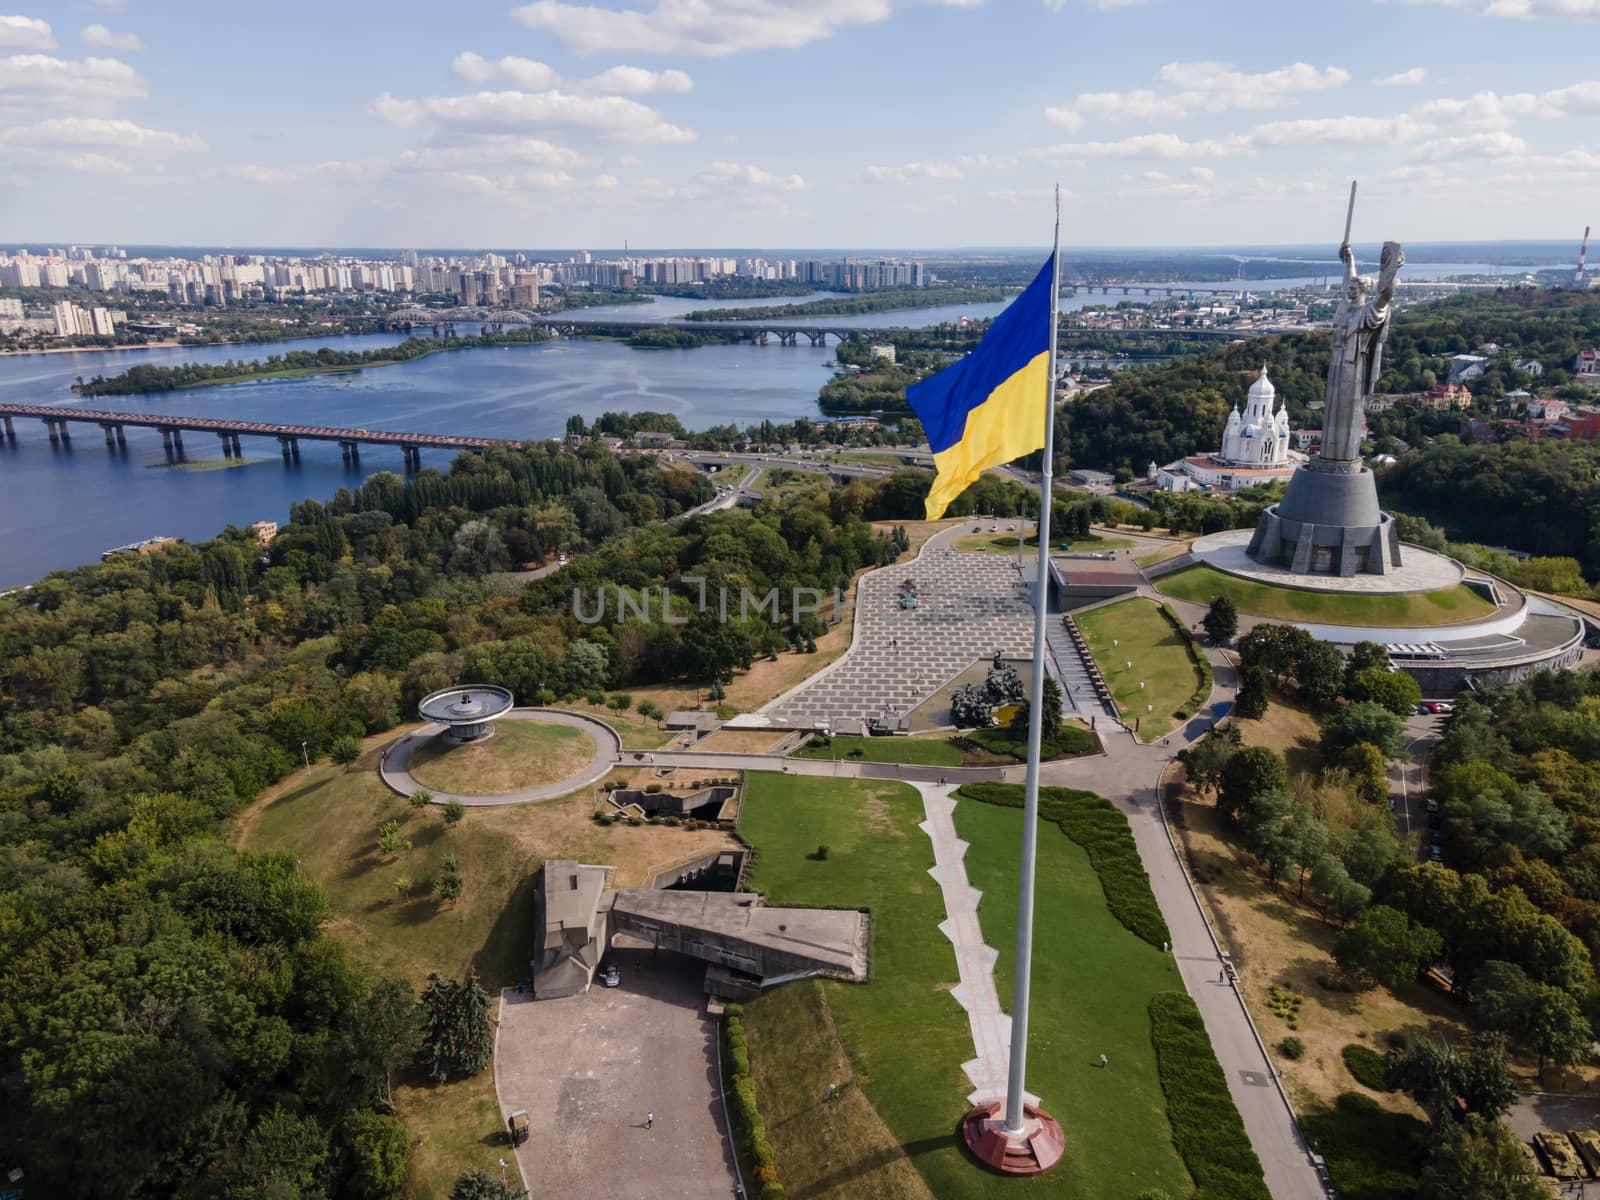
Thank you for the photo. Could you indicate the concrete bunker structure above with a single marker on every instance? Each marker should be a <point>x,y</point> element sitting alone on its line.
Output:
<point>746,944</point>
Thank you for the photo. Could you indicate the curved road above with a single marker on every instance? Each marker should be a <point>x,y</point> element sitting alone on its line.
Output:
<point>393,766</point>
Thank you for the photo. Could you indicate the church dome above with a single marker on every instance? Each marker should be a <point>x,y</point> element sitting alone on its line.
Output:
<point>1262,388</point>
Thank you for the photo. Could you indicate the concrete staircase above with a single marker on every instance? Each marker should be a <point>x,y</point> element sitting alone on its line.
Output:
<point>1081,684</point>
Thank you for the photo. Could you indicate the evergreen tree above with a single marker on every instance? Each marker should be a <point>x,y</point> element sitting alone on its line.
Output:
<point>1222,620</point>
<point>1253,698</point>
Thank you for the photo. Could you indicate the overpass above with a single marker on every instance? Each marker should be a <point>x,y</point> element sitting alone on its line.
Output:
<point>57,422</point>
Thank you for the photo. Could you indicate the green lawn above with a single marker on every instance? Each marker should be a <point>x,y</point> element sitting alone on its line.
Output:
<point>1160,660</point>
<point>999,746</point>
<point>907,1038</point>
<point>1006,543</point>
<point>1202,585</point>
<point>929,751</point>
<point>1092,984</point>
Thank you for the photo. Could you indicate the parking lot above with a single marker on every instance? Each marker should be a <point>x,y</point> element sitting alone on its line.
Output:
<point>588,1068</point>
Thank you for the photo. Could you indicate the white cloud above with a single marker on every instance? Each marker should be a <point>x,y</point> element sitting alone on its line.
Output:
<point>630,160</point>
<point>99,35</point>
<point>753,176</point>
<point>524,72</point>
<point>636,81</point>
<point>1415,77</point>
<point>94,164</point>
<point>1573,10</point>
<point>1492,144</point>
<point>98,132</point>
<point>603,181</point>
<point>29,81</point>
<point>403,113</point>
<point>256,174</point>
<point>1200,87</point>
<point>530,75</point>
<point>912,171</point>
<point>1335,131</point>
<point>707,28</point>
<point>26,33</point>
<point>1145,145</point>
<point>491,151</point>
<point>612,117</point>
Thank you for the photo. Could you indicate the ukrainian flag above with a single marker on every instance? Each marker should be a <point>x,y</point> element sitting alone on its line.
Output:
<point>987,409</point>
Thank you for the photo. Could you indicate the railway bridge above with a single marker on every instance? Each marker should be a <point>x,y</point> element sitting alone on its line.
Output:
<point>58,422</point>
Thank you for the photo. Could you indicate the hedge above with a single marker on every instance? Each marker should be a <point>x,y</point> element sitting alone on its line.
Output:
<point>1202,691</point>
<point>1372,1154</point>
<point>749,1128</point>
<point>1206,1127</point>
<point>1095,824</point>
<point>1366,1066</point>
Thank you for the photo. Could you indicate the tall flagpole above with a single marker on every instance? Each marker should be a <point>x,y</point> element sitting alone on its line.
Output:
<point>1014,1121</point>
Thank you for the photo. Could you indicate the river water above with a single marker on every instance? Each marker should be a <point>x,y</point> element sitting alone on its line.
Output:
<point>61,506</point>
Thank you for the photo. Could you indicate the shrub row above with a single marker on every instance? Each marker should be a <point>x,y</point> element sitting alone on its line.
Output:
<point>1205,1125</point>
<point>1095,824</point>
<point>1372,1154</point>
<point>749,1129</point>
<point>1197,657</point>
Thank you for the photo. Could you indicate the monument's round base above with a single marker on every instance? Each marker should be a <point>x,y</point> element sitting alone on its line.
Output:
<point>1420,571</point>
<point>467,735</point>
<point>1032,1150</point>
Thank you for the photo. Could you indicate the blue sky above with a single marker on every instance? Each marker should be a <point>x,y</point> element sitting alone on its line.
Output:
<point>925,123</point>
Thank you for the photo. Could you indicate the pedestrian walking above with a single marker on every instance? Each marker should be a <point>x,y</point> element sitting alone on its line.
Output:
<point>1103,1063</point>
<point>649,1119</point>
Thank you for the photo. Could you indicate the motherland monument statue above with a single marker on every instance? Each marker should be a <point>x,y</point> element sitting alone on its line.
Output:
<point>1328,522</point>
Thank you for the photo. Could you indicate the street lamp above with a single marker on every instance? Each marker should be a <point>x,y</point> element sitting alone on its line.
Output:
<point>306,754</point>
<point>503,1166</point>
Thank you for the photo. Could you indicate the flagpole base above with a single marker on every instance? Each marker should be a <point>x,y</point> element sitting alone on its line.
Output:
<point>1031,1150</point>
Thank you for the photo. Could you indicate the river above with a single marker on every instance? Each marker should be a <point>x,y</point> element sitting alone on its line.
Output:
<point>64,505</point>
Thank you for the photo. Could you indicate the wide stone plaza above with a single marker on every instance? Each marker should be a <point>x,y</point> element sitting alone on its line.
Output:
<point>968,606</point>
<point>1421,571</point>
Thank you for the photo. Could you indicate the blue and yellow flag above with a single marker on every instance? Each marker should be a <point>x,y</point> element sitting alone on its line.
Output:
<point>988,408</point>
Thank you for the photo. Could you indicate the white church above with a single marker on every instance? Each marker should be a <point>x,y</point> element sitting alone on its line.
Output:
<point>1256,448</point>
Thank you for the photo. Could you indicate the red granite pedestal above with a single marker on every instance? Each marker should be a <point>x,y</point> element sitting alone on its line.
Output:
<point>1032,1150</point>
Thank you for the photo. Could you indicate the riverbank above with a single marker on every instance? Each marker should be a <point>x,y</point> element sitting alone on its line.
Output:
<point>165,344</point>
<point>145,380</point>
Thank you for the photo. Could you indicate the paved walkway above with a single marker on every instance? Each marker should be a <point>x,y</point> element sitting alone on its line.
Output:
<point>393,766</point>
<point>975,959</point>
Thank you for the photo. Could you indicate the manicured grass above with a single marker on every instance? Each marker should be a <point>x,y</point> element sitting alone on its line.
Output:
<point>905,1036</point>
<point>927,751</point>
<point>1001,741</point>
<point>1160,661</point>
<point>1161,555</point>
<point>1209,1132</point>
<point>999,745</point>
<point>1094,823</point>
<point>1372,1154</point>
<point>521,754</point>
<point>1202,584</point>
<point>1092,980</point>
<point>1006,543</point>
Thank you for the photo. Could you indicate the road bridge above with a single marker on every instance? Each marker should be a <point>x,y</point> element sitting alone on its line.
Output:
<point>58,421</point>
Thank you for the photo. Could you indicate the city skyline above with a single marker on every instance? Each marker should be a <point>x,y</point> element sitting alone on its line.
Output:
<point>679,124</point>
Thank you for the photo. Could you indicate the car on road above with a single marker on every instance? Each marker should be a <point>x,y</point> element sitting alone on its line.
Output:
<point>610,976</point>
<point>1436,853</point>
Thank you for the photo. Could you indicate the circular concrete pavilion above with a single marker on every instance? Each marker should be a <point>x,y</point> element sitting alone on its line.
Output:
<point>466,712</point>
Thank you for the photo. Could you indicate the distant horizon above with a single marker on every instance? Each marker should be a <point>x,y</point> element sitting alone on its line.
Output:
<point>1258,250</point>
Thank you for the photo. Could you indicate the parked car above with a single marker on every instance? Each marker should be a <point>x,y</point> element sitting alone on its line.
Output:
<point>610,976</point>
<point>1444,706</point>
<point>1433,806</point>
<point>1434,822</point>
<point>1436,853</point>
<point>1424,710</point>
